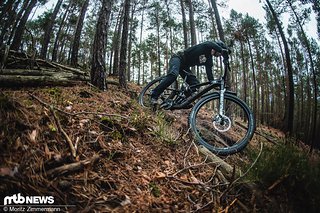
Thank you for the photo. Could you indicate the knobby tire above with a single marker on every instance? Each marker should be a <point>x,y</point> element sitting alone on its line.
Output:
<point>202,121</point>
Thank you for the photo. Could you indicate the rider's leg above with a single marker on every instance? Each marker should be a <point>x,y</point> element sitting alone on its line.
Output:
<point>174,66</point>
<point>191,78</point>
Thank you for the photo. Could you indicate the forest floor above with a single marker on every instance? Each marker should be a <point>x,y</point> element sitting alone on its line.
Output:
<point>100,151</point>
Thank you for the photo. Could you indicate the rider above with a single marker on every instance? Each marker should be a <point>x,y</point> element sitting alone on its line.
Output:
<point>198,55</point>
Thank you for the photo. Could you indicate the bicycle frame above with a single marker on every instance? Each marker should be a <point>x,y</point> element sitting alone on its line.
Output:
<point>220,84</point>
<point>210,126</point>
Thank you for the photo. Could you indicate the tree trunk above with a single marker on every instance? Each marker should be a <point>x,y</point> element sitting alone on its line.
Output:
<point>5,8</point>
<point>184,24</point>
<point>48,31</point>
<point>140,43</point>
<point>254,76</point>
<point>116,45</point>
<point>16,19</point>
<point>315,95</point>
<point>130,42</point>
<point>56,41</point>
<point>9,11</point>
<point>77,35</point>
<point>158,38</point>
<point>16,42</point>
<point>221,33</point>
<point>98,67</point>
<point>244,80</point>
<point>290,87</point>
<point>214,30</point>
<point>192,24</point>
<point>218,20</point>
<point>35,81</point>
<point>124,46</point>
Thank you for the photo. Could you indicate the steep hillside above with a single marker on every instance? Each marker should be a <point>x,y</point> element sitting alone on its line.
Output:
<point>100,151</point>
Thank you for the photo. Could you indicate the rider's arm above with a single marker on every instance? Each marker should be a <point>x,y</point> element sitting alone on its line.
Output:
<point>224,52</point>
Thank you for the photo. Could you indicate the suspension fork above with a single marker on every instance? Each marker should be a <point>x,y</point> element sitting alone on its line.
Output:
<point>222,87</point>
<point>221,122</point>
<point>221,100</point>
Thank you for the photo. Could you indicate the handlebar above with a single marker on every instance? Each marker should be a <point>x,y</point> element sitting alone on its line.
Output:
<point>225,52</point>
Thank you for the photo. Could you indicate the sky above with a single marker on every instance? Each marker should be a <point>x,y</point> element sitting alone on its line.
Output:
<point>255,9</point>
<point>252,7</point>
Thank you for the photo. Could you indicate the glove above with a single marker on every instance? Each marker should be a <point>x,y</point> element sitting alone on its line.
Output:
<point>225,52</point>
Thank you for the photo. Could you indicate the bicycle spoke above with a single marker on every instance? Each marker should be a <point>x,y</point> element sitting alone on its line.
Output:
<point>221,133</point>
<point>145,95</point>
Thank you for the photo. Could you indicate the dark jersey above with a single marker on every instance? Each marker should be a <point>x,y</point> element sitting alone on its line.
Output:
<point>200,55</point>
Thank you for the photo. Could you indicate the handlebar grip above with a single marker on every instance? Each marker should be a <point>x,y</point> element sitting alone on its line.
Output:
<point>226,52</point>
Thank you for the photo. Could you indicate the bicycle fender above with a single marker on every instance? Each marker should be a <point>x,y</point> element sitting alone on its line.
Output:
<point>218,94</point>
<point>231,93</point>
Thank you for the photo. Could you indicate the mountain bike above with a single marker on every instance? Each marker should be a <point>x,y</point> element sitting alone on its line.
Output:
<point>219,120</point>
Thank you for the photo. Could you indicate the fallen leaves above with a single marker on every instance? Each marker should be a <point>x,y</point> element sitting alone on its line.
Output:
<point>6,171</point>
<point>118,167</point>
<point>33,135</point>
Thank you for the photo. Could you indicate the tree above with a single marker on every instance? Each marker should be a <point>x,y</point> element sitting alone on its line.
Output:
<point>77,34</point>
<point>16,42</point>
<point>184,24</point>
<point>316,9</point>
<point>140,52</point>
<point>252,29</point>
<point>221,34</point>
<point>59,32</point>
<point>116,43</point>
<point>155,22</point>
<point>192,24</point>
<point>132,38</point>
<point>289,83</point>
<point>98,67</point>
<point>305,41</point>
<point>124,46</point>
<point>7,17</point>
<point>48,30</point>
<point>218,20</point>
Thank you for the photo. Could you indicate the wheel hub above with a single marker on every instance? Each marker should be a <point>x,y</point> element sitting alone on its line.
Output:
<point>221,123</point>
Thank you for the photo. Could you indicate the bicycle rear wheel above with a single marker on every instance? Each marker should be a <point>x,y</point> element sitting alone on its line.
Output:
<point>145,94</point>
<point>223,135</point>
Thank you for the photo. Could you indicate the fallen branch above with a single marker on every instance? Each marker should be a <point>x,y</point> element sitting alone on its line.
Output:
<point>191,167</point>
<point>20,69</point>
<point>23,80</point>
<point>251,166</point>
<point>251,186</point>
<point>72,149</point>
<point>277,182</point>
<point>230,205</point>
<point>73,70</point>
<point>224,166</point>
<point>70,168</point>
<point>266,137</point>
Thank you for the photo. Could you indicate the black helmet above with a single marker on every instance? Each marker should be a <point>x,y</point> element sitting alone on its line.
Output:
<point>223,46</point>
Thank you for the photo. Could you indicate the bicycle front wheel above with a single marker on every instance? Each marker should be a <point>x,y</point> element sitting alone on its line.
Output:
<point>145,94</point>
<point>222,134</point>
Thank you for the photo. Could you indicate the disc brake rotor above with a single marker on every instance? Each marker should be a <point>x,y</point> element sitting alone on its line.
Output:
<point>221,123</point>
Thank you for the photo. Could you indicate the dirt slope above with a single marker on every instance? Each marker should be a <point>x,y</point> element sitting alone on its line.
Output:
<point>100,151</point>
